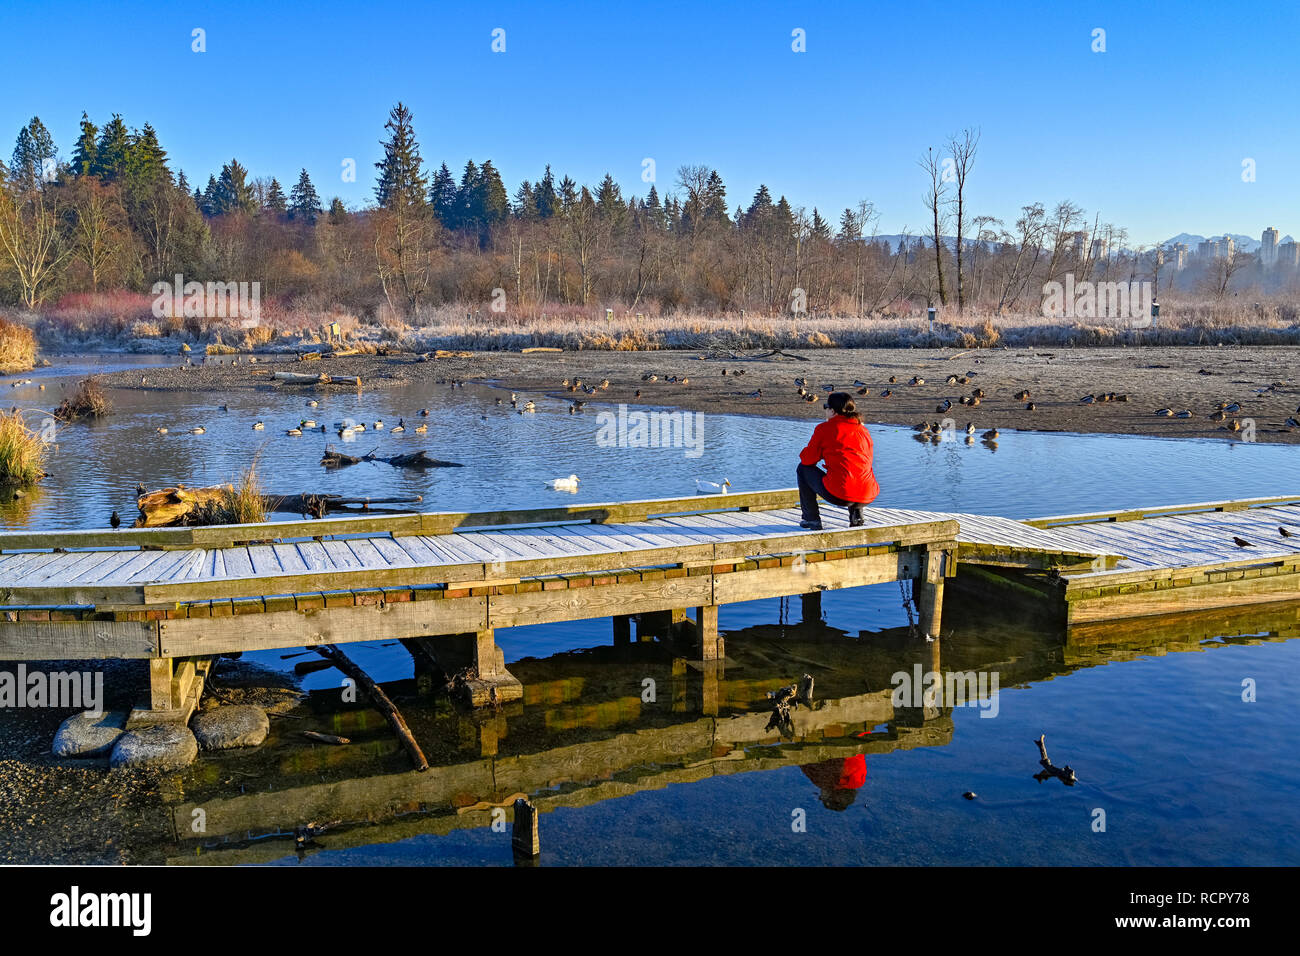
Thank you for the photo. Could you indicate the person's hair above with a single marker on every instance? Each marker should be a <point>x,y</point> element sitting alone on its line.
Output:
<point>842,404</point>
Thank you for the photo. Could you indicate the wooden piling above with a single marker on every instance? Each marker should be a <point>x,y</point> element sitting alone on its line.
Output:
<point>524,839</point>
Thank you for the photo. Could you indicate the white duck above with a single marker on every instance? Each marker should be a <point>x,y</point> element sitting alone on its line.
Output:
<point>563,484</point>
<point>713,487</point>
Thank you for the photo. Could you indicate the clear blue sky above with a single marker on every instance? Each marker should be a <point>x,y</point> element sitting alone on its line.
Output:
<point>1150,133</point>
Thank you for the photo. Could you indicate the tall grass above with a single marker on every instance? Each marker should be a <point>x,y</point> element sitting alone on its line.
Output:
<point>17,347</point>
<point>22,452</point>
<point>86,401</point>
<point>242,503</point>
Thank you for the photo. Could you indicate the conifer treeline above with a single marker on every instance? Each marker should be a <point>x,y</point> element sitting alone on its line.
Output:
<point>116,215</point>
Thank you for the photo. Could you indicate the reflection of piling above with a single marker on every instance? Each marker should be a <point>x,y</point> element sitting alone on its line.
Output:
<point>812,607</point>
<point>524,840</point>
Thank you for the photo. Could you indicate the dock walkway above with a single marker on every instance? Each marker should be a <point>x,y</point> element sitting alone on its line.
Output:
<point>180,596</point>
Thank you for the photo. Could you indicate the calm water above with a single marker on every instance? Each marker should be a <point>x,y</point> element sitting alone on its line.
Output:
<point>1184,770</point>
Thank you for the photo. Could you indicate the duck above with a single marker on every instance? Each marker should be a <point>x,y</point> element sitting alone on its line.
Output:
<point>294,433</point>
<point>916,380</point>
<point>862,390</point>
<point>421,429</point>
<point>115,520</point>
<point>810,397</point>
<point>970,428</point>
<point>528,407</point>
<point>161,431</point>
<point>563,484</point>
<point>990,435</point>
<point>756,394</point>
<point>308,423</point>
<point>951,379</point>
<point>943,406</point>
<point>893,380</point>
<point>858,383</point>
<point>1022,395</point>
<point>313,403</point>
<point>378,426</point>
<point>1183,414</point>
<point>346,431</point>
<point>258,426</point>
<point>200,430</point>
<point>400,426</point>
<point>604,384</point>
<point>359,427</point>
<point>977,393</point>
<point>577,406</point>
<point>1088,399</point>
<point>1164,413</point>
<point>424,412</point>
<point>713,487</point>
<point>1030,407</point>
<point>887,393</point>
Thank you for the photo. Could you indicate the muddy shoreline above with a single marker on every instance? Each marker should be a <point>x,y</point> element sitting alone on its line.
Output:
<point>1262,379</point>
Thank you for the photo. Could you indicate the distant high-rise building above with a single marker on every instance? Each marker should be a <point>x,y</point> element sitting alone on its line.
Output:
<point>1268,247</point>
<point>1180,251</point>
<point>1099,248</point>
<point>1288,254</point>
<point>1207,249</point>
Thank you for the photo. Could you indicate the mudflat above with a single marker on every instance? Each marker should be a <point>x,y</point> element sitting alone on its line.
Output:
<point>1262,380</point>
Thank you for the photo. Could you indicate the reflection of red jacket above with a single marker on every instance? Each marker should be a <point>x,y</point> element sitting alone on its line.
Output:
<point>845,445</point>
<point>850,774</point>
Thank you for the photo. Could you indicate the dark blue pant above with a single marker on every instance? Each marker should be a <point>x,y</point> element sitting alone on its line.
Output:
<point>812,482</point>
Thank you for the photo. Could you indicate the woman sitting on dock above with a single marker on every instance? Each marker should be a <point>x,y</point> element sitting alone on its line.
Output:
<point>843,442</point>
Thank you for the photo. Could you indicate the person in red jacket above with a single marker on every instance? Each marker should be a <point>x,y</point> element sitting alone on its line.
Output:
<point>844,443</point>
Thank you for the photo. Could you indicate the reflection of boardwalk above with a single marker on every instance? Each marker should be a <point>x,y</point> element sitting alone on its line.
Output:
<point>180,596</point>
<point>583,733</point>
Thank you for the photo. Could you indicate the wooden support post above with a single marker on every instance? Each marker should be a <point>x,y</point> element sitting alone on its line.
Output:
<point>706,630</point>
<point>660,624</point>
<point>175,687</point>
<point>710,679</point>
<point>622,629</point>
<point>812,607</point>
<point>524,839</point>
<point>485,680</point>
<point>929,593</point>
<point>160,684</point>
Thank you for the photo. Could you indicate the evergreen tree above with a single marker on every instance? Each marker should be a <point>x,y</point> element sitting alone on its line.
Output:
<point>401,179</point>
<point>33,147</point>
<point>715,200</point>
<point>546,200</point>
<point>760,209</point>
<point>111,151</point>
<point>83,155</point>
<point>209,205</point>
<point>198,198</point>
<point>275,202</point>
<point>304,203</point>
<point>492,192</point>
<point>468,208</point>
<point>182,183</point>
<point>146,162</point>
<point>338,214</point>
<point>568,194</point>
<point>609,202</point>
<point>234,192</point>
<point>442,196</point>
<point>849,228</point>
<point>525,205</point>
<point>820,227</point>
<point>654,211</point>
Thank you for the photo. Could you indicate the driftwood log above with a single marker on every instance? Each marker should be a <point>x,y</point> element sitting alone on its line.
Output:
<point>419,459</point>
<point>379,699</point>
<point>1064,774</point>
<point>175,507</point>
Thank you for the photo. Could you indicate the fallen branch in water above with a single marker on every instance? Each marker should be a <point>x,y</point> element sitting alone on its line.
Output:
<point>419,459</point>
<point>1064,774</point>
<point>379,699</point>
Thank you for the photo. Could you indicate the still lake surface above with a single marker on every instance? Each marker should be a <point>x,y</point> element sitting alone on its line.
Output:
<point>1185,771</point>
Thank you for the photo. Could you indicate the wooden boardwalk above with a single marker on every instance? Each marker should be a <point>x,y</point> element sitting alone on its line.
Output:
<point>180,596</point>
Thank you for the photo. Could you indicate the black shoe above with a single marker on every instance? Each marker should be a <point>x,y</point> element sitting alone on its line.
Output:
<point>856,522</point>
<point>811,525</point>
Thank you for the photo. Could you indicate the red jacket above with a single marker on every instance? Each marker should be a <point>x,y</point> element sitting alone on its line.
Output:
<point>845,445</point>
